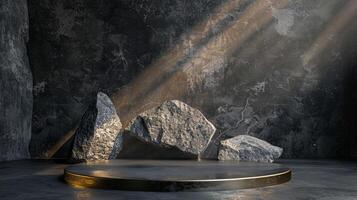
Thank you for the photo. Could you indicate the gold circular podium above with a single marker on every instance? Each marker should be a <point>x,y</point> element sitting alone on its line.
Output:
<point>175,175</point>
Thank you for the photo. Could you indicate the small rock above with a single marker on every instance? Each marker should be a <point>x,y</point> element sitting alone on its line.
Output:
<point>248,148</point>
<point>98,136</point>
<point>174,124</point>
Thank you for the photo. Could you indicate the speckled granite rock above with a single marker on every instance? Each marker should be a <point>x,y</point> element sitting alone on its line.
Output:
<point>248,148</point>
<point>173,124</point>
<point>98,136</point>
<point>15,81</point>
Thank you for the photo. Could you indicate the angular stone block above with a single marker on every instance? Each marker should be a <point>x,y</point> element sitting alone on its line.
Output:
<point>174,124</point>
<point>98,136</point>
<point>248,148</point>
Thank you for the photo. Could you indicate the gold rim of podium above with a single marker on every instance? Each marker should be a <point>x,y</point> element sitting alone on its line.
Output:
<point>136,184</point>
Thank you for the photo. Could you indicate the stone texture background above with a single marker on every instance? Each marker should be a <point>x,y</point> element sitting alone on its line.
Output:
<point>15,81</point>
<point>266,86</point>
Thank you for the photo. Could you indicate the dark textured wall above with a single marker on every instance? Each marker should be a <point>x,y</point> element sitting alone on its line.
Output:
<point>15,81</point>
<point>77,49</point>
<point>280,70</point>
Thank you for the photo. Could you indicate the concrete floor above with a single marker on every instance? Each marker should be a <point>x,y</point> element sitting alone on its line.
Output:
<point>327,180</point>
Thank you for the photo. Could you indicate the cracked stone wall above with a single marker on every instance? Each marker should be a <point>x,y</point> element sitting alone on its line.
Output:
<point>283,72</point>
<point>15,81</point>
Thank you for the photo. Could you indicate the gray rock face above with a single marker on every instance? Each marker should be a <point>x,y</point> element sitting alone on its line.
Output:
<point>15,81</point>
<point>98,136</point>
<point>174,124</point>
<point>248,148</point>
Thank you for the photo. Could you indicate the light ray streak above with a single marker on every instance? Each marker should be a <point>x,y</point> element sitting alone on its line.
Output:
<point>173,69</point>
<point>325,39</point>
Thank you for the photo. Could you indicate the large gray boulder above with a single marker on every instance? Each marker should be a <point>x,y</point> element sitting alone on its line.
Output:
<point>15,81</point>
<point>98,136</point>
<point>248,148</point>
<point>174,124</point>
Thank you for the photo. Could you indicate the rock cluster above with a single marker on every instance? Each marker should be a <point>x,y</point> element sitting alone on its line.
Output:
<point>173,130</point>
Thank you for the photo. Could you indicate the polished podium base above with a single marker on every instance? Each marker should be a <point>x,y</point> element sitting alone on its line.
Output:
<point>175,175</point>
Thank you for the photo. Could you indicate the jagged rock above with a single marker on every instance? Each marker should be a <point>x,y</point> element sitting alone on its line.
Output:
<point>98,136</point>
<point>174,124</point>
<point>15,81</point>
<point>248,148</point>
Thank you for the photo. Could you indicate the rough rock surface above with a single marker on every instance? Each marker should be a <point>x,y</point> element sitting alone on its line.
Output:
<point>98,136</point>
<point>15,81</point>
<point>174,124</point>
<point>248,148</point>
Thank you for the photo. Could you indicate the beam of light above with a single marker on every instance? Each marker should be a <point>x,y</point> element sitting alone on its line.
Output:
<point>54,148</point>
<point>325,39</point>
<point>197,33</point>
<point>180,69</point>
<point>135,99</point>
<point>124,99</point>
